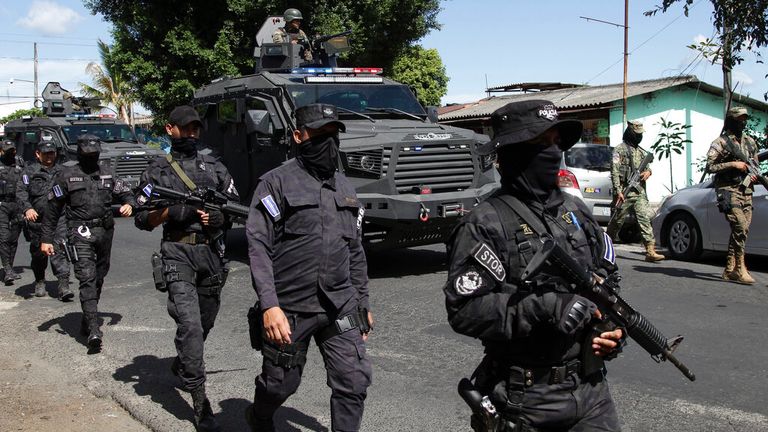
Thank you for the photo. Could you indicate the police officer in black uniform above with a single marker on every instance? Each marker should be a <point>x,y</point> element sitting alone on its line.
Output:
<point>543,366</point>
<point>192,250</point>
<point>32,194</point>
<point>309,271</point>
<point>84,192</point>
<point>10,217</point>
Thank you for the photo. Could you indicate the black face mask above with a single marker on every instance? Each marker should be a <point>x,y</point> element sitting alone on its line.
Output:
<point>735,125</point>
<point>531,170</point>
<point>632,138</point>
<point>320,155</point>
<point>89,162</point>
<point>9,157</point>
<point>186,145</point>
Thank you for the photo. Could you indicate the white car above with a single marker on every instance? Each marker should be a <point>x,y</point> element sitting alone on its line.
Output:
<point>688,222</point>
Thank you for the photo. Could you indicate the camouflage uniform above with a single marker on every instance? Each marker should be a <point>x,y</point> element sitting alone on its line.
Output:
<point>625,160</point>
<point>282,36</point>
<point>734,198</point>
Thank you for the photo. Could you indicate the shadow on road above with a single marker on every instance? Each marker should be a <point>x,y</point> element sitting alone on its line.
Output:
<point>69,324</point>
<point>232,418</point>
<point>405,262</point>
<point>152,377</point>
<point>677,272</point>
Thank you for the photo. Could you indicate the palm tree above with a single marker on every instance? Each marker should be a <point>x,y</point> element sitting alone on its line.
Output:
<point>109,85</point>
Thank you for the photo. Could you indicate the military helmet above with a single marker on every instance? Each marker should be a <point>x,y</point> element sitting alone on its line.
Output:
<point>292,14</point>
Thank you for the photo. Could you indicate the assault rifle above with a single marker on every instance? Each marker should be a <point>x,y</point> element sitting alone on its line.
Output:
<point>603,292</point>
<point>634,182</point>
<point>753,168</point>
<point>203,198</point>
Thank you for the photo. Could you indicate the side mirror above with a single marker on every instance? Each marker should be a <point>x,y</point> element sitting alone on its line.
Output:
<point>258,121</point>
<point>432,113</point>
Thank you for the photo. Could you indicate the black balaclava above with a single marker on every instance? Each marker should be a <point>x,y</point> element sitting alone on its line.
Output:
<point>631,137</point>
<point>530,170</point>
<point>320,155</point>
<point>186,146</point>
<point>735,125</point>
<point>89,162</point>
<point>9,157</point>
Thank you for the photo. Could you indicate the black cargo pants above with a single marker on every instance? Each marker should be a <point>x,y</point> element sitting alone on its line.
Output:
<point>193,306</point>
<point>10,229</point>
<point>59,263</point>
<point>574,404</point>
<point>347,365</point>
<point>94,247</point>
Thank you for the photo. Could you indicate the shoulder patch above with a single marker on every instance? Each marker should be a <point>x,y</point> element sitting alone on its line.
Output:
<point>75,179</point>
<point>360,215</point>
<point>609,254</point>
<point>485,256</point>
<point>25,179</point>
<point>468,282</point>
<point>57,192</point>
<point>271,206</point>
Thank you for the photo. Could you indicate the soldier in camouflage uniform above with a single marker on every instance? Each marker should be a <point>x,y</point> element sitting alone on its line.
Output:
<point>627,157</point>
<point>734,189</point>
<point>292,32</point>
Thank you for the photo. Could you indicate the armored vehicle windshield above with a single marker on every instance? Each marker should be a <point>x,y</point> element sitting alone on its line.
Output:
<point>107,132</point>
<point>360,98</point>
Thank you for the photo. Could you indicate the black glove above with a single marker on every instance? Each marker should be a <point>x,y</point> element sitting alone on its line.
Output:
<point>215,218</point>
<point>573,313</point>
<point>182,213</point>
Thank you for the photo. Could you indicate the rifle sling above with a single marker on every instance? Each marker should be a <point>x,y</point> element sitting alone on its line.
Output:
<point>180,172</point>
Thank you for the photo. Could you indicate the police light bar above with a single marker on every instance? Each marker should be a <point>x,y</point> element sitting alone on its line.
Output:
<point>337,70</point>
<point>90,116</point>
<point>343,79</point>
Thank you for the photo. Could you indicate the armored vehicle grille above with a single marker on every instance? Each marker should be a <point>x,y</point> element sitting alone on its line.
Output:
<point>126,166</point>
<point>442,167</point>
<point>365,162</point>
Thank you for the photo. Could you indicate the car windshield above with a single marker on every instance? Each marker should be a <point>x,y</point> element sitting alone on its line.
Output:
<point>359,98</point>
<point>106,132</point>
<point>595,158</point>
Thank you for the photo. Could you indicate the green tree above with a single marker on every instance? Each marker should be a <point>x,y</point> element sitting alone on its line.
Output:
<point>109,84</point>
<point>33,112</point>
<point>741,26</point>
<point>423,70</point>
<point>671,139</point>
<point>169,48</point>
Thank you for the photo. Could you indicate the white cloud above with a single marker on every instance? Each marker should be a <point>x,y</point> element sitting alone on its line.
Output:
<point>699,39</point>
<point>49,17</point>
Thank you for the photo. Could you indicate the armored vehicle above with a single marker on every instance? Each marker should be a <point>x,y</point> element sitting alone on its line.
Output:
<point>68,117</point>
<point>415,177</point>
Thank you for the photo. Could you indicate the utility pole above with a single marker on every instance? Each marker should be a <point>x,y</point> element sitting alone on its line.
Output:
<point>727,58</point>
<point>626,55</point>
<point>35,79</point>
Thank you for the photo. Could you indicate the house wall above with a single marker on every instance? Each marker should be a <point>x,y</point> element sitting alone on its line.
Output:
<point>684,105</point>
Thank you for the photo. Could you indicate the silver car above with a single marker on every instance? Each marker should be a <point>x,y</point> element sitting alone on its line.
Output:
<point>587,167</point>
<point>688,222</point>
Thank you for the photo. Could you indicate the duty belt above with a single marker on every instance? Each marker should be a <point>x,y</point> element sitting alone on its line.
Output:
<point>91,223</point>
<point>192,238</point>
<point>547,374</point>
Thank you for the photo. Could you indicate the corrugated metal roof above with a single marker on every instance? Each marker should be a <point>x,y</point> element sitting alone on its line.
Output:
<point>589,97</point>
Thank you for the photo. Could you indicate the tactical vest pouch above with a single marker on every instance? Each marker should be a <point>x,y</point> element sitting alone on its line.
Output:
<point>723,200</point>
<point>256,326</point>
<point>157,272</point>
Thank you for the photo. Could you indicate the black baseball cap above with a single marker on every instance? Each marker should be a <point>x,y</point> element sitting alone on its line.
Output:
<point>517,122</point>
<point>183,115</point>
<point>8,145</point>
<point>88,144</point>
<point>315,116</point>
<point>46,146</point>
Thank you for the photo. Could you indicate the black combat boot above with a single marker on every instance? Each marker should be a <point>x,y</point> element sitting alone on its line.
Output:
<point>257,424</point>
<point>40,288</point>
<point>204,418</point>
<point>10,276</point>
<point>94,331</point>
<point>65,294</point>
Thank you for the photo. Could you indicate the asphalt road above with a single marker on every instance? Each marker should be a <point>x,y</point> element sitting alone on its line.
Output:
<point>416,356</point>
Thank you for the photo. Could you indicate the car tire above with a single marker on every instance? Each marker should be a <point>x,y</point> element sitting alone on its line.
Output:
<point>682,237</point>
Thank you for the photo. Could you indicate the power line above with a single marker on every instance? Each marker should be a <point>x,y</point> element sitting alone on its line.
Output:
<point>47,58</point>
<point>44,37</point>
<point>47,43</point>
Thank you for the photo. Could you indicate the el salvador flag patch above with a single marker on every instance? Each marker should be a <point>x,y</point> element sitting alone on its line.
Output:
<point>271,206</point>
<point>25,179</point>
<point>147,190</point>
<point>609,254</point>
<point>57,192</point>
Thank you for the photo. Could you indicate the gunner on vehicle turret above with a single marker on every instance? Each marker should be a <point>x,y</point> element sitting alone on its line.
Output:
<point>293,33</point>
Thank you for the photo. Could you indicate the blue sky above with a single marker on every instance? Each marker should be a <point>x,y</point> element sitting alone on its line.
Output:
<point>502,41</point>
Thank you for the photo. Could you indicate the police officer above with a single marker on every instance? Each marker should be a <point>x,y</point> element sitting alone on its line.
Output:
<point>543,365</point>
<point>32,194</point>
<point>10,218</point>
<point>292,32</point>
<point>734,188</point>
<point>309,271</point>
<point>627,158</point>
<point>84,192</point>
<point>192,251</point>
